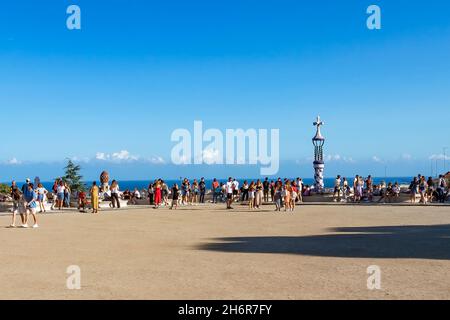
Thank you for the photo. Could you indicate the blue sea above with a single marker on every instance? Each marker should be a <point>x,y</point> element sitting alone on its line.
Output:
<point>329,182</point>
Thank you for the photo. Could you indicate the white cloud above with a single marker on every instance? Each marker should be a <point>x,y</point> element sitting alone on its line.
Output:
<point>120,156</point>
<point>157,160</point>
<point>80,159</point>
<point>13,162</point>
<point>101,156</point>
<point>439,157</point>
<point>377,159</point>
<point>338,157</point>
<point>123,155</point>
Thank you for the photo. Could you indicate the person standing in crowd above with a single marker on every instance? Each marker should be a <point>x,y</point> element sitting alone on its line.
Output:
<point>195,192</point>
<point>235,190</point>
<point>31,205</point>
<point>357,189</point>
<point>185,192</point>
<point>442,185</point>
<point>215,190</point>
<point>345,189</point>
<point>245,191</point>
<point>272,191</point>
<point>157,194</point>
<point>67,192</point>
<point>175,193</point>
<point>229,190</point>
<point>337,189</point>
<point>369,188</point>
<point>81,201</point>
<point>16,196</point>
<point>94,197</point>
<point>382,187</point>
<point>414,189</point>
<point>251,195</point>
<point>202,187</point>
<point>60,194</point>
<point>25,193</point>
<point>287,195</point>
<point>165,193</point>
<point>55,194</point>
<point>423,190</point>
<point>396,191</point>
<point>150,191</point>
<point>294,195</point>
<point>41,195</point>
<point>430,189</point>
<point>277,195</point>
<point>300,189</point>
<point>258,194</point>
<point>115,194</point>
<point>266,187</point>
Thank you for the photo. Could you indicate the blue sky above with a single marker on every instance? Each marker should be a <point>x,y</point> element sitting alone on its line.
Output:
<point>137,70</point>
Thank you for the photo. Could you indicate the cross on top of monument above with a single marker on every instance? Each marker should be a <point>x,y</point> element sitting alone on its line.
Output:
<point>318,123</point>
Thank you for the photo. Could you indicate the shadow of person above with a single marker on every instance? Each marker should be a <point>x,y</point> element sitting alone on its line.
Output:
<point>415,242</point>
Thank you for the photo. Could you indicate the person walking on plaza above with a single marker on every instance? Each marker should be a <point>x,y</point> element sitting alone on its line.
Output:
<point>337,189</point>
<point>41,195</point>
<point>94,197</point>
<point>16,196</point>
<point>175,194</point>
<point>157,194</point>
<point>115,194</point>
<point>60,195</point>
<point>30,206</point>
<point>215,190</point>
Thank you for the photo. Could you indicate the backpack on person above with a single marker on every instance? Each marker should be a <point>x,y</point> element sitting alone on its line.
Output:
<point>16,194</point>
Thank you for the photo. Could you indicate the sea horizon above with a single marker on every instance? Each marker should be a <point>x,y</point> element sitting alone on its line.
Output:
<point>143,184</point>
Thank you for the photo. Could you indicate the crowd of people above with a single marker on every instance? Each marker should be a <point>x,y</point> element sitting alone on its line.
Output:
<point>364,189</point>
<point>283,194</point>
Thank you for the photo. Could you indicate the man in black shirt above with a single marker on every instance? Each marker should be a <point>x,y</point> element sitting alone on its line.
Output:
<point>266,187</point>
<point>202,187</point>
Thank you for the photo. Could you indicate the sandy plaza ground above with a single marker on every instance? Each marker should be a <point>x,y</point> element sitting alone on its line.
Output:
<point>207,252</point>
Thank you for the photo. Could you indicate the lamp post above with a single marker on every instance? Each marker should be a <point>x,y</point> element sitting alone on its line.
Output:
<point>318,164</point>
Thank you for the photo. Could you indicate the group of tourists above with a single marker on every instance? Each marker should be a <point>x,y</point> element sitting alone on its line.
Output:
<point>364,189</point>
<point>285,193</point>
<point>428,190</point>
<point>26,201</point>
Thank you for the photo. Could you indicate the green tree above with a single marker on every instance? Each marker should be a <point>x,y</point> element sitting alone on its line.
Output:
<point>4,188</point>
<point>73,177</point>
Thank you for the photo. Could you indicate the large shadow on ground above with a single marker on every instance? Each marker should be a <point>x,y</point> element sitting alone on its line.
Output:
<point>418,242</point>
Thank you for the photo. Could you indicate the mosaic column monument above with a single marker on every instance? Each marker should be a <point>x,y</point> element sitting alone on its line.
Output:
<point>319,165</point>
